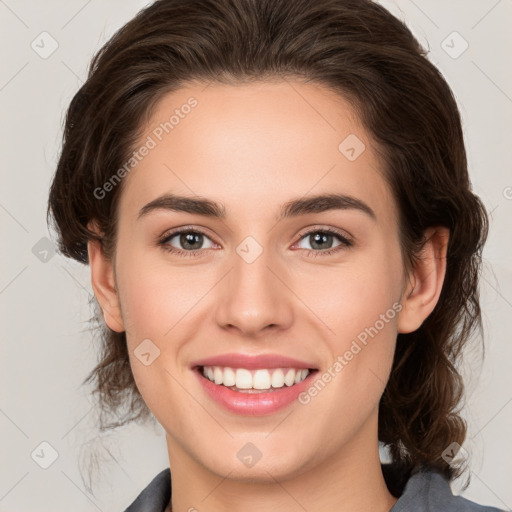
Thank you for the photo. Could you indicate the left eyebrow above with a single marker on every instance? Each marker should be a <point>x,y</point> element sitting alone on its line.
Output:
<point>294,208</point>
<point>323,203</point>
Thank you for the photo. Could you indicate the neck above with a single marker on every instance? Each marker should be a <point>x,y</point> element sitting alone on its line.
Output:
<point>350,480</point>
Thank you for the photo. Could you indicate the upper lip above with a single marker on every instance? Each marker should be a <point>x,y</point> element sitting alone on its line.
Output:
<point>253,362</point>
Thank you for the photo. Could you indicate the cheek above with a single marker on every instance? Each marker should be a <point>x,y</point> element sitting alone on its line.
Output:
<point>353,297</point>
<point>157,304</point>
<point>155,297</point>
<point>359,363</point>
<point>361,310</point>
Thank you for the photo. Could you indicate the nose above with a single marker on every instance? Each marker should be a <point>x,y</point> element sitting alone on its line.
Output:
<point>254,297</point>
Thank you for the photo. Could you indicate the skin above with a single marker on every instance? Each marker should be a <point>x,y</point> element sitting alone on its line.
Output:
<point>253,148</point>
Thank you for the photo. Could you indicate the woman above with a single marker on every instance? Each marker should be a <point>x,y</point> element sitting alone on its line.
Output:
<point>213,150</point>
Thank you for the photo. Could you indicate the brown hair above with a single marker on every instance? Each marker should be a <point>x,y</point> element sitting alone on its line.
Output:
<point>356,48</point>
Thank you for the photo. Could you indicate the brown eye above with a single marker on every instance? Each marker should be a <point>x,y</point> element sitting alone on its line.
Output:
<point>187,242</point>
<point>321,242</point>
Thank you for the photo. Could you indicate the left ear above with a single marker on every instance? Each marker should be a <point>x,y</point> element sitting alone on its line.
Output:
<point>425,281</point>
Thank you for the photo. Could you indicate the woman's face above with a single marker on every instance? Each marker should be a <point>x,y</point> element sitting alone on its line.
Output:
<point>261,280</point>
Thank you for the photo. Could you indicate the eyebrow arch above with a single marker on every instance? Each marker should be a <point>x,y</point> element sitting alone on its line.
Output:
<point>197,205</point>
<point>294,208</point>
<point>323,203</point>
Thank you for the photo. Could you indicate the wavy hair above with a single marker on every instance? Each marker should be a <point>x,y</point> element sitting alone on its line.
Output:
<point>363,53</point>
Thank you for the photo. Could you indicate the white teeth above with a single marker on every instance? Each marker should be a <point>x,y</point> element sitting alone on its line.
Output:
<point>242,378</point>
<point>289,378</point>
<point>229,377</point>
<point>278,378</point>
<point>261,380</point>
<point>217,375</point>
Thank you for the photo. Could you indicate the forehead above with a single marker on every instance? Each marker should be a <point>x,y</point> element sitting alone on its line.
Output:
<point>255,144</point>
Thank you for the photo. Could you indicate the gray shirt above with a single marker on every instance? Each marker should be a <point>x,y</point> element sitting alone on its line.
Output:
<point>426,490</point>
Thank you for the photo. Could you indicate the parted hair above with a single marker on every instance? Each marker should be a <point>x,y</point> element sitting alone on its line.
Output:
<point>365,54</point>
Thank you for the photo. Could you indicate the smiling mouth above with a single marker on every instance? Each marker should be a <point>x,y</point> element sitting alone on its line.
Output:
<point>263,380</point>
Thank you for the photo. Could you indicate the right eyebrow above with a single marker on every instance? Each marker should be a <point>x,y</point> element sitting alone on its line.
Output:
<point>199,206</point>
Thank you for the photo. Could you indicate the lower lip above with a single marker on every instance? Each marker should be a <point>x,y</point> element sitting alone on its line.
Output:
<point>254,404</point>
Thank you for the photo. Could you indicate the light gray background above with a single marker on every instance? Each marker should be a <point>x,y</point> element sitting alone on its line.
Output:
<point>44,299</point>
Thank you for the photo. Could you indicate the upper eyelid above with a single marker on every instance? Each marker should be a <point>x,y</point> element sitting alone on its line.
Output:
<point>169,233</point>
<point>334,231</point>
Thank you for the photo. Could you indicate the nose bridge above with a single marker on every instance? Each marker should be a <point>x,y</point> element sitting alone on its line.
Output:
<point>253,297</point>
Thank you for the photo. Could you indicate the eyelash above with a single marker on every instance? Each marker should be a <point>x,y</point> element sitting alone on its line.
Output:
<point>345,242</point>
